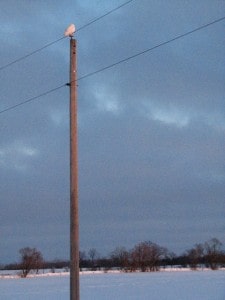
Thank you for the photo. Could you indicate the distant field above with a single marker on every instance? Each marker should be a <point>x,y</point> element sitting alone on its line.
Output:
<point>174,285</point>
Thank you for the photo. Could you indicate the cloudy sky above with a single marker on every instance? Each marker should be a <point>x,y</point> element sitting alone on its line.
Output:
<point>151,130</point>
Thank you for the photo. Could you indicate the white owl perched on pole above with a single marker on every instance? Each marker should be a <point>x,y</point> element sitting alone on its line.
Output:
<point>70,30</point>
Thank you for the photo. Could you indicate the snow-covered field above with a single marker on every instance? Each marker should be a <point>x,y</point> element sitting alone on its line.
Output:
<point>174,285</point>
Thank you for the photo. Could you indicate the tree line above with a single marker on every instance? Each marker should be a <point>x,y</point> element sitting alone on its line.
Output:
<point>145,257</point>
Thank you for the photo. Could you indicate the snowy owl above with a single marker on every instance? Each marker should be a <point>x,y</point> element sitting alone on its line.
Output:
<point>70,30</point>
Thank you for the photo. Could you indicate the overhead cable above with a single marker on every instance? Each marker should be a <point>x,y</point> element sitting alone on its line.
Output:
<point>31,53</point>
<point>115,64</point>
<point>56,41</point>
<point>33,98</point>
<point>150,49</point>
<point>101,17</point>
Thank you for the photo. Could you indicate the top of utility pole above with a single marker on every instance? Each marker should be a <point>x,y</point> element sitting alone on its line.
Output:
<point>70,30</point>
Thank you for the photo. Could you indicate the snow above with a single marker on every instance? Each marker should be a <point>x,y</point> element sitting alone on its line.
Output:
<point>189,285</point>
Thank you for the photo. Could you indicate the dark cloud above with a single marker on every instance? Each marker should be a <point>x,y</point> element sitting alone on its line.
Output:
<point>151,130</point>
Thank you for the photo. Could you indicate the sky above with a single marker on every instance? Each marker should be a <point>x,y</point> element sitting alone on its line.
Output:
<point>151,130</point>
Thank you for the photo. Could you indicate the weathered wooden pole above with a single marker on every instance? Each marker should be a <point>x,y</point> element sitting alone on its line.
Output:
<point>74,212</point>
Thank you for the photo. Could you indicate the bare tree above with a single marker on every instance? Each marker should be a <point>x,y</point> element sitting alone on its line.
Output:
<point>213,253</point>
<point>94,255</point>
<point>146,256</point>
<point>31,259</point>
<point>120,257</point>
<point>195,256</point>
<point>82,257</point>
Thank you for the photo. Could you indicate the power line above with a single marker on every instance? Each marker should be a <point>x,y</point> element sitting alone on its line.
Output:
<point>33,98</point>
<point>150,49</point>
<point>115,64</point>
<point>31,53</point>
<point>56,41</point>
<point>106,14</point>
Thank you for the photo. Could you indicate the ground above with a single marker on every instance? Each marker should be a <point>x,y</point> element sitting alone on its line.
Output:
<point>164,285</point>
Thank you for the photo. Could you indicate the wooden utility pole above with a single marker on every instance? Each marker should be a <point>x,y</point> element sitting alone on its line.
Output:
<point>74,215</point>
